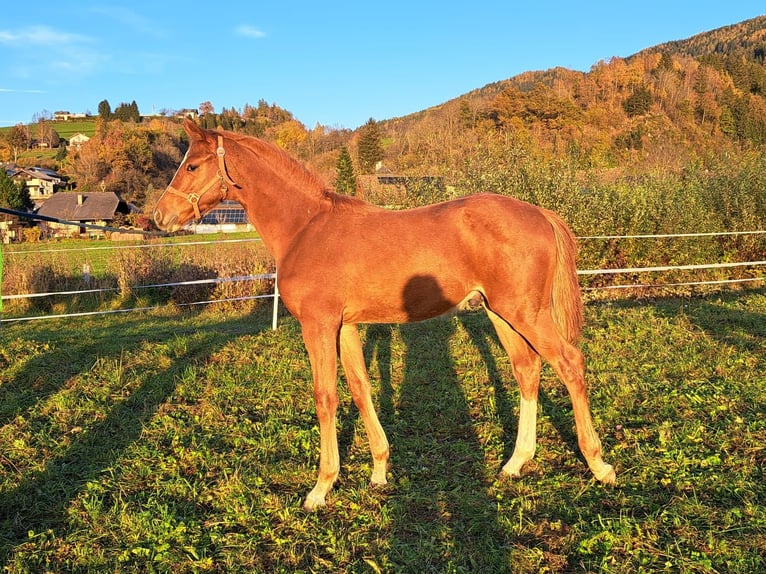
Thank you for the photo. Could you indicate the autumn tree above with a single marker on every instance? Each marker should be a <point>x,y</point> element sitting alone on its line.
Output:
<point>18,140</point>
<point>46,134</point>
<point>345,180</point>
<point>369,148</point>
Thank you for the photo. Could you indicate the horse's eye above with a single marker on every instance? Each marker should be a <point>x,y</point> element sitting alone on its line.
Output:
<point>191,167</point>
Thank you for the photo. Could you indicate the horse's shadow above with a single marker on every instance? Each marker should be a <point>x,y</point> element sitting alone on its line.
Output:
<point>441,484</point>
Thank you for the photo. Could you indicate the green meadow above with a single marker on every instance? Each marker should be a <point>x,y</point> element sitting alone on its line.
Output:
<point>184,441</point>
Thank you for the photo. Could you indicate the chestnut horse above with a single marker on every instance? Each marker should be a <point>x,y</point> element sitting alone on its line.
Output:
<point>342,261</point>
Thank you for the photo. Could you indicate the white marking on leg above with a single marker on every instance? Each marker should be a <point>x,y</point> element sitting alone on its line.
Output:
<point>526,439</point>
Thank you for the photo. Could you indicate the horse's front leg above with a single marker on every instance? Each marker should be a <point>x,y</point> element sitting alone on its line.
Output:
<point>322,346</point>
<point>352,359</point>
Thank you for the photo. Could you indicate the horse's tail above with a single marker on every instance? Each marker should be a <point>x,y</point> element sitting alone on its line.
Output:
<point>566,299</point>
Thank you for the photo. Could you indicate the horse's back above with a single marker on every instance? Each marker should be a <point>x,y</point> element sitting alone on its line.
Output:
<point>381,265</point>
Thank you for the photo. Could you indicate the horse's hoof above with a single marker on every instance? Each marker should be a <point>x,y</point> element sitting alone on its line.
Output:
<point>313,503</point>
<point>609,477</point>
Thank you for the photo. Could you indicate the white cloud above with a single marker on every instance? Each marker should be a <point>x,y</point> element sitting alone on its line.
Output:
<point>17,91</point>
<point>40,36</point>
<point>249,31</point>
<point>45,50</point>
<point>133,20</point>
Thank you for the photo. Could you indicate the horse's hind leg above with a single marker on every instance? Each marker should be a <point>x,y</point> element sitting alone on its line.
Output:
<point>526,365</point>
<point>352,359</point>
<point>569,364</point>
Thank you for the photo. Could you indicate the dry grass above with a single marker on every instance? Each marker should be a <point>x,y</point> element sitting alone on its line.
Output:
<point>125,271</point>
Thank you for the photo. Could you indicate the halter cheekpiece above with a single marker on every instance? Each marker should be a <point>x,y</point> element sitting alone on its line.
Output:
<point>222,179</point>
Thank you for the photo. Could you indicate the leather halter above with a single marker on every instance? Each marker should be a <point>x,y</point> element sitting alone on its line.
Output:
<point>222,179</point>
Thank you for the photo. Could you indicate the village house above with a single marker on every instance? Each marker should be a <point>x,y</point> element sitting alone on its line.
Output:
<point>41,182</point>
<point>189,113</point>
<point>66,116</point>
<point>76,140</point>
<point>99,208</point>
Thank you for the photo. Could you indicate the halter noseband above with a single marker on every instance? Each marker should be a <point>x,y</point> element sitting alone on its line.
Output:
<point>222,178</point>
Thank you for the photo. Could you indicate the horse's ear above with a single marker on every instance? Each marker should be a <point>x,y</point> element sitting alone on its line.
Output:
<point>193,129</point>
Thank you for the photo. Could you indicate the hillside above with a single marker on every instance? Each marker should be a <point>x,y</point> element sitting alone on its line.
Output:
<point>662,106</point>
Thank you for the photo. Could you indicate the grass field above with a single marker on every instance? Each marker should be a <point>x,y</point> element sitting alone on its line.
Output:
<point>65,129</point>
<point>179,442</point>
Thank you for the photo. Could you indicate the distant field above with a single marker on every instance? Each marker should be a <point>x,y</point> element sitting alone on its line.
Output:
<point>177,441</point>
<point>65,130</point>
<point>68,129</point>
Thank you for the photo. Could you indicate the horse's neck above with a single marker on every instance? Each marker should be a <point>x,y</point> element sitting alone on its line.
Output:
<point>279,207</point>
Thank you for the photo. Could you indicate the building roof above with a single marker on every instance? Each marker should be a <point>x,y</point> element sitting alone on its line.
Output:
<point>53,174</point>
<point>73,206</point>
<point>36,173</point>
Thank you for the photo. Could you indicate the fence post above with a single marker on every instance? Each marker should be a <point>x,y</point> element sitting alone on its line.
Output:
<point>276,303</point>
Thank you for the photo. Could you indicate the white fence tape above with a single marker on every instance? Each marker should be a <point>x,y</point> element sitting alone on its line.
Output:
<point>275,295</point>
<point>153,286</point>
<point>668,268</point>
<point>670,235</point>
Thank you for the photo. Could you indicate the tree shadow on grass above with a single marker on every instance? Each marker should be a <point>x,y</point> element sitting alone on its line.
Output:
<point>723,319</point>
<point>40,499</point>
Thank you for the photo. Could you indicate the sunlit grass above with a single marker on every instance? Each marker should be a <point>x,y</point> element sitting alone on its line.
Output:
<point>185,442</point>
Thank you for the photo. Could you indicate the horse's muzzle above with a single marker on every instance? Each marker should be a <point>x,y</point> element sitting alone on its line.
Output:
<point>166,222</point>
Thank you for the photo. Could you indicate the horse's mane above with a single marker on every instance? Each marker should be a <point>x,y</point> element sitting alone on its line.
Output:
<point>282,159</point>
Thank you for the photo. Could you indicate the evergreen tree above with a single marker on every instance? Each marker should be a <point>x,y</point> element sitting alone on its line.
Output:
<point>639,102</point>
<point>104,110</point>
<point>666,62</point>
<point>369,148</point>
<point>127,112</point>
<point>345,180</point>
<point>14,195</point>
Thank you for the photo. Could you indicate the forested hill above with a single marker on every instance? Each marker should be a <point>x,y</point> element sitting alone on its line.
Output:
<point>747,39</point>
<point>665,105</point>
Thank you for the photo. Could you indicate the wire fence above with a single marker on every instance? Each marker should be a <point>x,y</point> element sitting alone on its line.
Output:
<point>128,278</point>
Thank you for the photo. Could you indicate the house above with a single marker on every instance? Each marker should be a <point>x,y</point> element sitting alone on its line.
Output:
<point>41,182</point>
<point>64,116</point>
<point>228,217</point>
<point>190,113</point>
<point>393,190</point>
<point>99,208</point>
<point>77,140</point>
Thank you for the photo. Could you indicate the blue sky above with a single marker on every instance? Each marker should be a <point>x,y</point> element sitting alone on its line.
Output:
<point>333,63</point>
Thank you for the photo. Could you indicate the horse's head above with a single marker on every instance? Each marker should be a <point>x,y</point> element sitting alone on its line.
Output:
<point>200,183</point>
